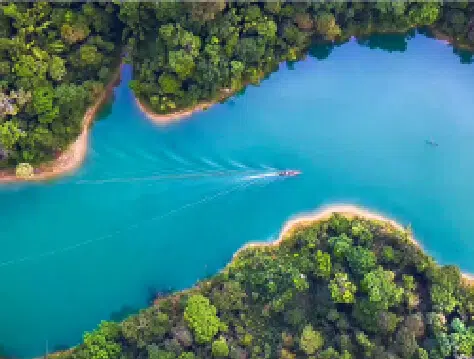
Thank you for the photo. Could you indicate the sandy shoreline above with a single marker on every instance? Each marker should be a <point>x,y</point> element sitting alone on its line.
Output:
<point>300,221</point>
<point>175,116</point>
<point>72,158</point>
<point>324,213</point>
<point>163,119</point>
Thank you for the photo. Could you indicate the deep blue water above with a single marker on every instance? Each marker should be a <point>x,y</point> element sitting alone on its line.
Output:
<point>355,124</point>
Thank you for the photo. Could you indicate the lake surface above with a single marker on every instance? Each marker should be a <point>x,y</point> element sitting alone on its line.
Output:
<point>81,249</point>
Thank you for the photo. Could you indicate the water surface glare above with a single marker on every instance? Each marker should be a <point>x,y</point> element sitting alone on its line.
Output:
<point>355,124</point>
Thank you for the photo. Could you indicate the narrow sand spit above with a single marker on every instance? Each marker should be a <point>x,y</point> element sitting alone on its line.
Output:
<point>181,114</point>
<point>172,117</point>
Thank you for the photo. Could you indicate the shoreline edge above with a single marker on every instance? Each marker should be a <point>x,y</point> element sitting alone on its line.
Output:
<point>301,221</point>
<point>72,158</point>
<point>174,116</point>
<point>325,212</point>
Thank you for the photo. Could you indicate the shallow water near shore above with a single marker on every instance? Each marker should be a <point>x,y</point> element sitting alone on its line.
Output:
<point>88,246</point>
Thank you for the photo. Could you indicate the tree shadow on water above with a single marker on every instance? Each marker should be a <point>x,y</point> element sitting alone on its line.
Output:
<point>106,109</point>
<point>290,65</point>
<point>122,313</point>
<point>154,293</point>
<point>387,42</point>
<point>60,348</point>
<point>241,92</point>
<point>321,51</point>
<point>465,56</point>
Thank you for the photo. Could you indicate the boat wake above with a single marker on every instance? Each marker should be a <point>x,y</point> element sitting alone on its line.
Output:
<point>261,175</point>
<point>247,175</point>
<point>283,173</point>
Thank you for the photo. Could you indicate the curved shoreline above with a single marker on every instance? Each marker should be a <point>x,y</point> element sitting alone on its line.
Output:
<point>74,155</point>
<point>172,117</point>
<point>297,222</point>
<point>163,119</point>
<point>324,213</point>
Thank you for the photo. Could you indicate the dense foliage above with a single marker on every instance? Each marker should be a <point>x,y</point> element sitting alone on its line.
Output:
<point>306,299</point>
<point>55,57</point>
<point>54,60</point>
<point>184,53</point>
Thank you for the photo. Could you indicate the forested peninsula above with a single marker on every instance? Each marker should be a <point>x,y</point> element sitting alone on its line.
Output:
<point>56,58</point>
<point>344,286</point>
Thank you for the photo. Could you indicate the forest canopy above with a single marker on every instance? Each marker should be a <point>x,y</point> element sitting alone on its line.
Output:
<point>56,57</point>
<point>54,60</point>
<point>341,288</point>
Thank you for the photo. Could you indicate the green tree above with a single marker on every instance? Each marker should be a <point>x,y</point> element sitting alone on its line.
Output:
<point>368,316</point>
<point>102,343</point>
<point>89,55</point>
<point>24,170</point>
<point>57,68</point>
<point>422,354</point>
<point>28,66</point>
<point>424,13</point>
<point>267,28</point>
<point>220,349</point>
<point>387,321</point>
<point>362,232</point>
<point>10,134</point>
<point>326,26</point>
<point>43,100</point>
<point>361,260</point>
<point>169,83</point>
<point>443,289</point>
<point>342,289</point>
<point>229,297</point>
<point>405,343</point>
<point>364,341</point>
<point>323,264</point>
<point>200,315</point>
<point>341,245</point>
<point>462,338</point>
<point>181,63</point>
<point>380,286</point>
<point>311,340</point>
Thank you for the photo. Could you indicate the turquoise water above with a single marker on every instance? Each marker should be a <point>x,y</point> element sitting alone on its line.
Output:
<point>355,124</point>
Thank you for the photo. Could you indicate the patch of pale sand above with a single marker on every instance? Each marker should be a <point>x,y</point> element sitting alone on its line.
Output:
<point>172,117</point>
<point>163,119</point>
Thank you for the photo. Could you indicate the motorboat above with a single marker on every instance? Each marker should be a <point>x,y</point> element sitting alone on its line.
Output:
<point>289,173</point>
<point>431,143</point>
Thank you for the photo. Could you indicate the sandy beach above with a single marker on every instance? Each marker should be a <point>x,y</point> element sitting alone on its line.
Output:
<point>324,213</point>
<point>72,158</point>
<point>175,116</point>
<point>182,114</point>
